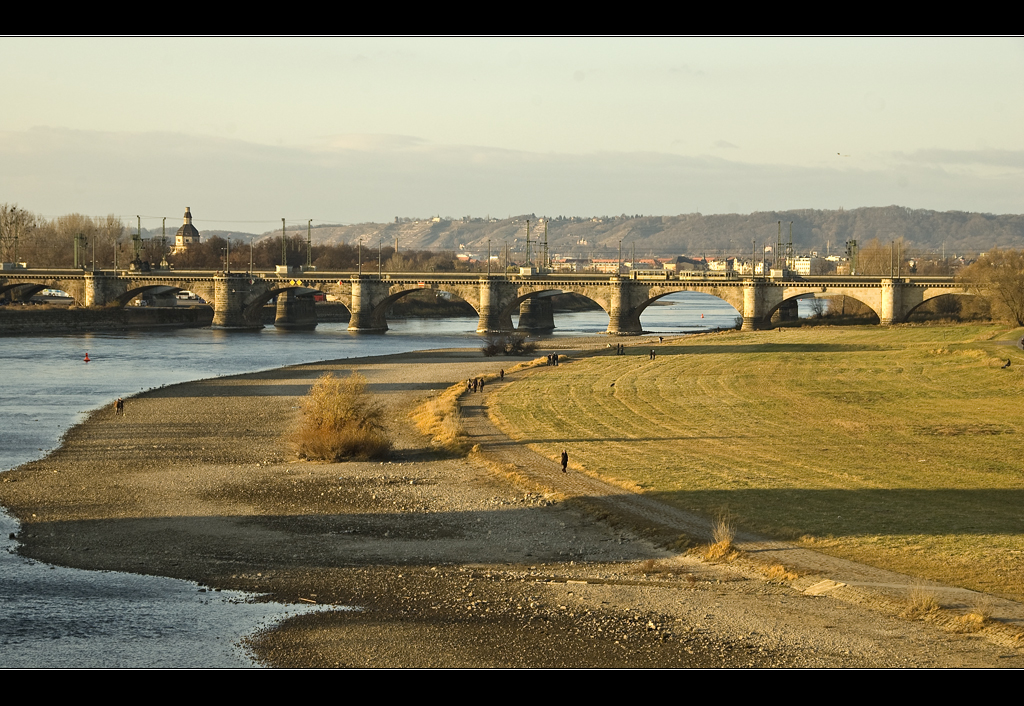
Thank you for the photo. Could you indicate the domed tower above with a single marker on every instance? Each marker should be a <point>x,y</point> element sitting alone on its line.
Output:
<point>187,235</point>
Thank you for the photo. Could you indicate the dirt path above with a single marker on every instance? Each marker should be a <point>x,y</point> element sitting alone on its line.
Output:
<point>449,561</point>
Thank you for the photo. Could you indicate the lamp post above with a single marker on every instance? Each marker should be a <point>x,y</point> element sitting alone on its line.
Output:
<point>284,244</point>
<point>360,256</point>
<point>488,258</point>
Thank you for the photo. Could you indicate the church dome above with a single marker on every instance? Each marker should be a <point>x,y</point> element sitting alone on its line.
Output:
<point>187,235</point>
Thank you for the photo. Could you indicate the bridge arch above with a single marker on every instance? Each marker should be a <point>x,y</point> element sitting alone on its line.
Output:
<point>790,300</point>
<point>934,296</point>
<point>790,293</point>
<point>73,287</point>
<point>378,315</point>
<point>733,320</point>
<point>254,306</point>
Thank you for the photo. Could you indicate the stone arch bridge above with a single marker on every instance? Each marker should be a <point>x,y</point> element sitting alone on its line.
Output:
<point>238,298</point>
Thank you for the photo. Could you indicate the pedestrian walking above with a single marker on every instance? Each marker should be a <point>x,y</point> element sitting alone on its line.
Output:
<point>565,460</point>
<point>502,373</point>
<point>481,384</point>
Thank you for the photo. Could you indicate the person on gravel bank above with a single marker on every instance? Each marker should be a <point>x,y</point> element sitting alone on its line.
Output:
<point>565,460</point>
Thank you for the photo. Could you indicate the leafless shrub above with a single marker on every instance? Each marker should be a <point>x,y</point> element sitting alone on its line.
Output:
<point>508,344</point>
<point>340,421</point>
<point>722,535</point>
<point>920,602</point>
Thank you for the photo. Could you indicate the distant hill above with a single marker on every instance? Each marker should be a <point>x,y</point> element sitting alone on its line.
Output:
<point>694,234</point>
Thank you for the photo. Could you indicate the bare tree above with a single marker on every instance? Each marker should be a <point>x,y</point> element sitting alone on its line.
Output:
<point>15,223</point>
<point>999,274</point>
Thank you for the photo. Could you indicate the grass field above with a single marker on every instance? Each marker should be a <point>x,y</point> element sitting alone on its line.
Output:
<point>899,447</point>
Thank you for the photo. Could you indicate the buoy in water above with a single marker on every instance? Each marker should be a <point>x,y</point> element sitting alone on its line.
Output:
<point>86,357</point>
<point>702,316</point>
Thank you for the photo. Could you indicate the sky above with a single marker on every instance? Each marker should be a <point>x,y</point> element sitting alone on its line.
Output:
<point>247,131</point>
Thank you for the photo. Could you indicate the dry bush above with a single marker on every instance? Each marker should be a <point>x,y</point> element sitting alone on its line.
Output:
<point>721,548</point>
<point>340,421</point>
<point>920,602</point>
<point>508,344</point>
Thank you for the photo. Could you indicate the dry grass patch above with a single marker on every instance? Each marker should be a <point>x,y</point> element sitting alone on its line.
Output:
<point>778,572</point>
<point>340,421</point>
<point>969,623</point>
<point>440,419</point>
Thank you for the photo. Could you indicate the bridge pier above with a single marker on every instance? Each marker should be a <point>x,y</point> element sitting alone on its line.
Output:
<point>753,306</point>
<point>535,314</point>
<point>497,297</point>
<point>367,316</point>
<point>230,295</point>
<point>891,303</point>
<point>623,318</point>
<point>97,288</point>
<point>295,313</point>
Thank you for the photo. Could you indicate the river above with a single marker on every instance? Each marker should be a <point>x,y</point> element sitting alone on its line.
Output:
<point>59,617</point>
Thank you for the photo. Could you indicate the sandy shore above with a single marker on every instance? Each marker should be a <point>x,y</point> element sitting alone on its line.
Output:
<point>491,560</point>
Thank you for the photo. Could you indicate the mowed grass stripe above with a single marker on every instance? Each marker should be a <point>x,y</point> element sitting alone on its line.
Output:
<point>902,447</point>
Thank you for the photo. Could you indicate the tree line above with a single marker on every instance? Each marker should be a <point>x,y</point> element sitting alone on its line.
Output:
<point>75,240</point>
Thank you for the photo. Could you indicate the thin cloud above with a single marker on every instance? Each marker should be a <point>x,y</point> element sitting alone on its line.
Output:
<point>375,178</point>
<point>939,157</point>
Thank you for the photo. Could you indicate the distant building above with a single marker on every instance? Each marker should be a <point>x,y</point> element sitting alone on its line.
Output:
<point>187,235</point>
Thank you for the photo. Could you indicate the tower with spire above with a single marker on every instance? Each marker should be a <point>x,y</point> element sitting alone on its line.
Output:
<point>187,235</point>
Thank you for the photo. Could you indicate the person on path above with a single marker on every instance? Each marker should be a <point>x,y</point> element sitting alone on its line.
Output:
<point>119,407</point>
<point>475,384</point>
<point>502,374</point>
<point>565,460</point>
<point>481,384</point>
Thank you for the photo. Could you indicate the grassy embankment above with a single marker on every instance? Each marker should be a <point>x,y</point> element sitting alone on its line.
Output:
<point>897,447</point>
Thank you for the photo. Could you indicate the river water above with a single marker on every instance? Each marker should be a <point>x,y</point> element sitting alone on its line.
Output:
<point>54,616</point>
